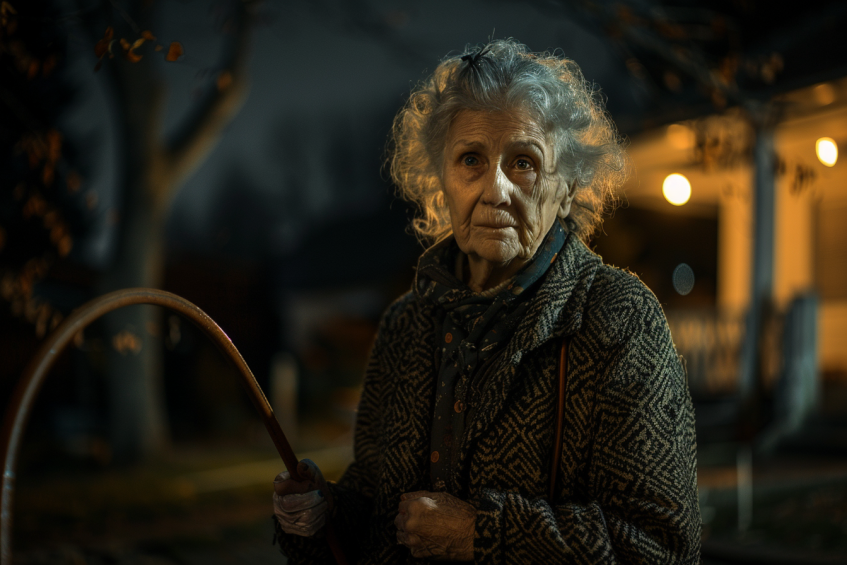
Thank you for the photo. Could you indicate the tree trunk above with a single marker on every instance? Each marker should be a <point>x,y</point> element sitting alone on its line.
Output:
<point>153,169</point>
<point>138,425</point>
<point>137,419</point>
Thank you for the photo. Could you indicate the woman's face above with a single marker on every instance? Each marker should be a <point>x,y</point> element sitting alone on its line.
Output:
<point>501,187</point>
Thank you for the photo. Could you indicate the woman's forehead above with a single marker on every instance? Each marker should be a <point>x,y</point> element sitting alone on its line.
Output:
<point>476,127</point>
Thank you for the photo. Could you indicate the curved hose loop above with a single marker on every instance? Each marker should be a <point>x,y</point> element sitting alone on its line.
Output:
<point>27,390</point>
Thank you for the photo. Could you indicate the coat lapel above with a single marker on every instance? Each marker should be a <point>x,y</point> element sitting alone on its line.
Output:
<point>409,410</point>
<point>556,312</point>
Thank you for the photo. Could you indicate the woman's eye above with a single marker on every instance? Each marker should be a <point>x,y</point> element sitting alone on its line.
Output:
<point>523,164</point>
<point>470,161</point>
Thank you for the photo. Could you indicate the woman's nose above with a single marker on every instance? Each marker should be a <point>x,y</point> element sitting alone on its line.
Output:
<point>497,188</point>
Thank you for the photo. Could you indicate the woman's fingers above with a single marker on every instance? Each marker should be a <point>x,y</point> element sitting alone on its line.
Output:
<point>301,506</point>
<point>436,525</point>
<point>298,502</point>
<point>314,526</point>
<point>303,518</point>
<point>309,525</point>
<point>400,521</point>
<point>407,539</point>
<point>303,522</point>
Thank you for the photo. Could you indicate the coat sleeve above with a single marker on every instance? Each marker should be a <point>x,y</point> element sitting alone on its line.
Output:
<point>353,494</point>
<point>641,505</point>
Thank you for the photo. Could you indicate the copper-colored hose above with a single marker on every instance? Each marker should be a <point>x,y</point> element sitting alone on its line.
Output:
<point>27,390</point>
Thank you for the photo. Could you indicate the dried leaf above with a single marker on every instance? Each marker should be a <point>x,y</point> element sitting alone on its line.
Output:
<point>44,313</point>
<point>126,342</point>
<point>50,219</point>
<point>48,174</point>
<point>224,80</point>
<point>174,52</point>
<point>146,34</point>
<point>31,309</point>
<point>132,56</point>
<point>54,145</point>
<point>55,320</point>
<point>32,71</point>
<point>101,48</point>
<point>158,48</point>
<point>65,245</point>
<point>5,10</point>
<point>35,206</point>
<point>74,182</point>
<point>57,233</point>
<point>105,44</point>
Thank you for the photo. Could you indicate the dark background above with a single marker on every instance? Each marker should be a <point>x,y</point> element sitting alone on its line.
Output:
<point>285,229</point>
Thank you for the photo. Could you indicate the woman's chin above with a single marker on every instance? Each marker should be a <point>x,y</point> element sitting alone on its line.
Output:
<point>498,251</point>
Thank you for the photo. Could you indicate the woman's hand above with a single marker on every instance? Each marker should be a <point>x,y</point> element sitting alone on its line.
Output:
<point>436,525</point>
<point>301,506</point>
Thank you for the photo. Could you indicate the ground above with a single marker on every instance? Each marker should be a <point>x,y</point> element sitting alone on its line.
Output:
<point>211,505</point>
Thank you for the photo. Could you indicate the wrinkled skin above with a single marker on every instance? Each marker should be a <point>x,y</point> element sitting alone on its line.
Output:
<point>503,191</point>
<point>301,507</point>
<point>436,525</point>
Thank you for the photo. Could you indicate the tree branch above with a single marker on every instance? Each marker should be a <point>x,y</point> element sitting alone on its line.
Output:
<point>202,128</point>
<point>604,17</point>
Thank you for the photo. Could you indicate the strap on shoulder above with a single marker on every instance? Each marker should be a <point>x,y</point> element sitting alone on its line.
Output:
<point>560,408</point>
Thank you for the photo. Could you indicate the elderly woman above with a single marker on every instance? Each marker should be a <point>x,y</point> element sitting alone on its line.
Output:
<point>512,160</point>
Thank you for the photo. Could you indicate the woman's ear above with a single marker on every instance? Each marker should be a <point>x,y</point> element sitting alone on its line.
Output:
<point>565,204</point>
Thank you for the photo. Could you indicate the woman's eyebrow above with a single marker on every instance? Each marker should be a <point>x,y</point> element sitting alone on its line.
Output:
<point>527,144</point>
<point>466,143</point>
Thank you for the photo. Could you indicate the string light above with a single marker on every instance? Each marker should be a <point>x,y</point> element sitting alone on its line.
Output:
<point>677,189</point>
<point>827,151</point>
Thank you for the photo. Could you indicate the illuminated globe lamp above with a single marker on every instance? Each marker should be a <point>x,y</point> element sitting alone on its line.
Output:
<point>677,189</point>
<point>827,151</point>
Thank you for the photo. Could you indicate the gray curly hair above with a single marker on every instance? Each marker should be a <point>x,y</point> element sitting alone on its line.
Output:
<point>505,76</point>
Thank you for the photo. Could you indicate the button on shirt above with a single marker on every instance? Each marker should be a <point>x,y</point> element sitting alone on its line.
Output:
<point>475,326</point>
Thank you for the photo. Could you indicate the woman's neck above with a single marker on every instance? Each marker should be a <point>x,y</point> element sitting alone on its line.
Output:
<point>481,275</point>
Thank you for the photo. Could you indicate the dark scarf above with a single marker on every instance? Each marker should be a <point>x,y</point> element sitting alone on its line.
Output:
<point>474,327</point>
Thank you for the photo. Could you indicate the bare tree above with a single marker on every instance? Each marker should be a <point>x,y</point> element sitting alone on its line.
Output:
<point>154,167</point>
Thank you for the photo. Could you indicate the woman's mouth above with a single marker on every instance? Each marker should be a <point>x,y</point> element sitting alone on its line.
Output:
<point>497,219</point>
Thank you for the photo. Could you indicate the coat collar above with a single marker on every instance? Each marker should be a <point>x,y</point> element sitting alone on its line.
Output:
<point>557,307</point>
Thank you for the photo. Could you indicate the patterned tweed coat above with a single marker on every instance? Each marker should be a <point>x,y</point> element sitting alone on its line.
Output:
<point>627,476</point>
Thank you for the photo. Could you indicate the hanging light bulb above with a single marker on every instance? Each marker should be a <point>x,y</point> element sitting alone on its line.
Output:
<point>677,189</point>
<point>827,151</point>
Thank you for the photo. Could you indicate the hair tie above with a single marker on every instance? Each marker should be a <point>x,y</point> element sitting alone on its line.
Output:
<point>473,59</point>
